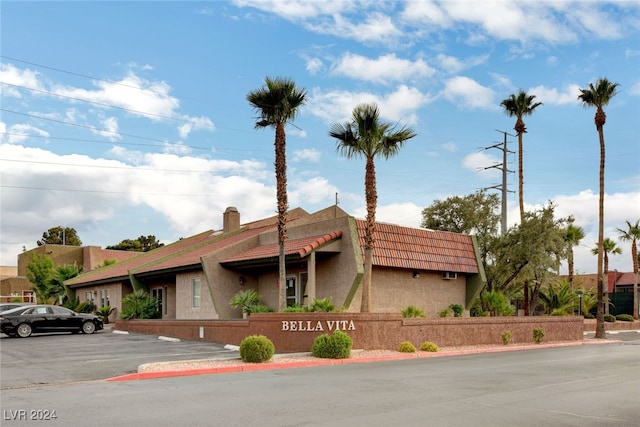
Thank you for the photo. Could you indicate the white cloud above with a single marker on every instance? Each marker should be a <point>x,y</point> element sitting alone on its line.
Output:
<point>109,129</point>
<point>482,163</point>
<point>453,65</point>
<point>635,89</point>
<point>385,69</point>
<point>316,190</point>
<point>15,134</point>
<point>467,93</point>
<point>406,214</point>
<point>314,65</point>
<point>551,96</point>
<point>337,106</point>
<point>14,76</point>
<point>308,154</point>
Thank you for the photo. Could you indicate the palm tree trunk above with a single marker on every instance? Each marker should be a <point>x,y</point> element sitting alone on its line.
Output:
<point>634,254</point>
<point>281,195</point>
<point>520,179</point>
<point>371,196</point>
<point>570,265</point>
<point>600,333</point>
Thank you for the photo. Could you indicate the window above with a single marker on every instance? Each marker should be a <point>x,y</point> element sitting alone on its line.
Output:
<point>106,297</point>
<point>292,291</point>
<point>196,289</point>
<point>101,299</point>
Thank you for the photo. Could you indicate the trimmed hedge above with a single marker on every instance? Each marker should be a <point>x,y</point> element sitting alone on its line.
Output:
<point>407,347</point>
<point>256,349</point>
<point>336,346</point>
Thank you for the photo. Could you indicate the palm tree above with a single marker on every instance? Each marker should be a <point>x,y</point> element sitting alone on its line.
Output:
<point>277,103</point>
<point>367,136</point>
<point>598,96</point>
<point>632,234</point>
<point>573,235</point>
<point>609,247</point>
<point>520,105</point>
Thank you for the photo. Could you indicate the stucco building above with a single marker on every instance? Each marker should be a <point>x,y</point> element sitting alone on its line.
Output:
<point>196,277</point>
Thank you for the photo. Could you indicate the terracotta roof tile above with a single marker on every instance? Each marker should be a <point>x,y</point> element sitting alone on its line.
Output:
<point>300,247</point>
<point>420,249</point>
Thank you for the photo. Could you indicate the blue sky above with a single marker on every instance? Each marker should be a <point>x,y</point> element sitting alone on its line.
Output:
<point>122,119</point>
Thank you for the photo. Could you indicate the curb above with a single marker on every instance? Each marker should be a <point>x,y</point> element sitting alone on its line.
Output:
<point>252,367</point>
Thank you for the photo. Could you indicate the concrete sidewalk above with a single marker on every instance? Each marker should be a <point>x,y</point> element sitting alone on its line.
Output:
<point>284,361</point>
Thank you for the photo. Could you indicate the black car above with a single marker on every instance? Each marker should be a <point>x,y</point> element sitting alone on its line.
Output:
<point>24,321</point>
<point>10,305</point>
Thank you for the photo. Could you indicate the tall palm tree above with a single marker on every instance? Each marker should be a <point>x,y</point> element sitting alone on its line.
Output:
<point>518,106</point>
<point>608,247</point>
<point>573,236</point>
<point>632,234</point>
<point>598,96</point>
<point>276,104</point>
<point>369,137</point>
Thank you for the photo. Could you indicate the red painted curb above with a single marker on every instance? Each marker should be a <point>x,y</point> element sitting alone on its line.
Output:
<point>253,367</point>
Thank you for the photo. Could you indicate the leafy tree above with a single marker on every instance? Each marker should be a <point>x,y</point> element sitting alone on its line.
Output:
<point>60,274</point>
<point>60,236</point>
<point>573,236</point>
<point>277,104</point>
<point>369,137</point>
<point>520,105</point>
<point>472,214</point>
<point>632,235</point>
<point>529,252</point>
<point>39,272</point>
<point>141,244</point>
<point>598,96</point>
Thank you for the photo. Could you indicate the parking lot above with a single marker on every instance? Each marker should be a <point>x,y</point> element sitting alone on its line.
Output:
<point>65,358</point>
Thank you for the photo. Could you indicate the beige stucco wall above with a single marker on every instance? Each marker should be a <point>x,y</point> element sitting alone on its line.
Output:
<point>182,296</point>
<point>394,289</point>
<point>115,292</point>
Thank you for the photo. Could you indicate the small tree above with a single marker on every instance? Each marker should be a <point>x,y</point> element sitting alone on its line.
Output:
<point>246,300</point>
<point>60,236</point>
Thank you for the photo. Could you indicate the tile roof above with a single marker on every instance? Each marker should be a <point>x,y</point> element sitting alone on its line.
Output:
<point>420,249</point>
<point>299,247</point>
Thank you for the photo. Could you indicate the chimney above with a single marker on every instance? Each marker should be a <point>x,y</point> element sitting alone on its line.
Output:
<point>230,219</point>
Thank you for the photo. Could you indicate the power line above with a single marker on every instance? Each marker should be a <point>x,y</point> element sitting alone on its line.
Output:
<point>73,190</point>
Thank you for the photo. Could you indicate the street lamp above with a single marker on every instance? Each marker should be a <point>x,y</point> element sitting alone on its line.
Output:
<point>580,293</point>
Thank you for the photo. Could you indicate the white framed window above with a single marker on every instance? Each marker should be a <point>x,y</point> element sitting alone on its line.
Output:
<point>196,290</point>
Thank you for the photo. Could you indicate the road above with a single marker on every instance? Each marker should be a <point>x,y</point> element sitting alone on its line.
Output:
<point>595,385</point>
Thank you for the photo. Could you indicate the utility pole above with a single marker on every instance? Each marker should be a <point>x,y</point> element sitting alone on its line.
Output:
<point>502,167</point>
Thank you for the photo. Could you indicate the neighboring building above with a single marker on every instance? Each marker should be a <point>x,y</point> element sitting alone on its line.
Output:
<point>619,290</point>
<point>85,257</point>
<point>196,277</point>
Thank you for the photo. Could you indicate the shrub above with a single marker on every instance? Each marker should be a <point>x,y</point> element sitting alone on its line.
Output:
<point>86,307</point>
<point>412,311</point>
<point>430,347</point>
<point>260,308</point>
<point>538,334</point>
<point>104,312</point>
<point>407,347</point>
<point>138,305</point>
<point>256,349</point>
<point>336,346</point>
<point>457,309</point>
<point>323,305</point>
<point>445,312</point>
<point>624,317</point>
<point>609,318</point>
<point>245,300</point>
<point>295,308</point>
<point>506,338</point>
<point>589,316</point>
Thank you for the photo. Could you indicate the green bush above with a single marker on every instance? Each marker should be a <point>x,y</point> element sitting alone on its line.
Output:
<point>624,317</point>
<point>295,308</point>
<point>445,312</point>
<point>246,300</point>
<point>407,347</point>
<point>457,309</point>
<point>256,349</point>
<point>538,334</point>
<point>430,347</point>
<point>105,312</point>
<point>609,318</point>
<point>412,311</point>
<point>336,346</point>
<point>506,338</point>
<point>85,307</point>
<point>323,305</point>
<point>589,316</point>
<point>260,308</point>
<point>138,305</point>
